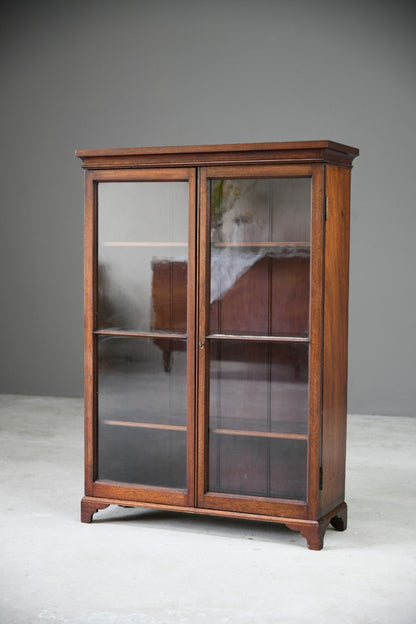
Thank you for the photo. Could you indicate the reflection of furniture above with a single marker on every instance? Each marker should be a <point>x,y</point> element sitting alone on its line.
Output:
<point>169,304</point>
<point>271,296</point>
<point>252,422</point>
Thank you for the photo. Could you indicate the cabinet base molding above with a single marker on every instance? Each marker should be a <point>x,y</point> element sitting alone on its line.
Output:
<point>312,530</point>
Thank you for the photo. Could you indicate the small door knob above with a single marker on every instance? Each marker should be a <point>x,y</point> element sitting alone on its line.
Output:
<point>202,344</point>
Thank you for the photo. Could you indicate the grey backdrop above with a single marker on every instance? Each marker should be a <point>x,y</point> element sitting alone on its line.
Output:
<point>132,73</point>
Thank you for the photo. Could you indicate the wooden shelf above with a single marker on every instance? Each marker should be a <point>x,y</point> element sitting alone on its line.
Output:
<point>261,244</point>
<point>262,338</point>
<point>236,432</point>
<point>140,334</point>
<point>257,244</point>
<point>142,244</point>
<point>260,434</point>
<point>144,425</point>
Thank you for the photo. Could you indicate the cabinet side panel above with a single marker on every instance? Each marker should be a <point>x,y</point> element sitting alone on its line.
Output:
<point>335,337</point>
<point>90,280</point>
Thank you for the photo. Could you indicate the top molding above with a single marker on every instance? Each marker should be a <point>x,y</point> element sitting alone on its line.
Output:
<point>328,152</point>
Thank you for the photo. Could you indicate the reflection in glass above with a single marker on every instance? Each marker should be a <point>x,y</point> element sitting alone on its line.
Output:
<point>142,252</point>
<point>141,411</point>
<point>258,414</point>
<point>260,256</point>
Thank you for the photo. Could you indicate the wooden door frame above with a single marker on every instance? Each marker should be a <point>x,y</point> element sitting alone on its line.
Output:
<point>110,489</point>
<point>255,504</point>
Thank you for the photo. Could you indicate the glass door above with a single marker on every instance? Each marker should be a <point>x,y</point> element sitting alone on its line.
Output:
<point>144,333</point>
<point>255,335</point>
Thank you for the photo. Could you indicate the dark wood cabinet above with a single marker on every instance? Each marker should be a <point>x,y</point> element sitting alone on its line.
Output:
<point>216,317</point>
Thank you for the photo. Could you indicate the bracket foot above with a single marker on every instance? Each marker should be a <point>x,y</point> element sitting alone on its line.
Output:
<point>314,530</point>
<point>89,508</point>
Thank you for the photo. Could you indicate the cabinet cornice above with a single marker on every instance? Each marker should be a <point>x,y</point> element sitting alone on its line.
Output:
<point>328,152</point>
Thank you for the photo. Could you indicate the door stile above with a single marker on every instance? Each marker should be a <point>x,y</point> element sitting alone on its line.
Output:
<point>316,337</point>
<point>202,345</point>
<point>191,333</point>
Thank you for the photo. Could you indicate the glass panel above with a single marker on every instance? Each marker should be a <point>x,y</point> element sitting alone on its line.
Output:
<point>260,250</point>
<point>142,411</point>
<point>258,415</point>
<point>142,255</point>
<point>274,468</point>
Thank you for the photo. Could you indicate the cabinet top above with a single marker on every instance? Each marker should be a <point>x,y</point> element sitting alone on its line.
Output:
<point>230,153</point>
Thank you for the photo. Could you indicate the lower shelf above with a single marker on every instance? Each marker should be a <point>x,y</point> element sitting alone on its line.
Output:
<point>312,530</point>
<point>220,431</point>
<point>260,434</point>
<point>247,462</point>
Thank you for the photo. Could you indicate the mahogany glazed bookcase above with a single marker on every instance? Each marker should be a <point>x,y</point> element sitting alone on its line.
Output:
<point>216,318</point>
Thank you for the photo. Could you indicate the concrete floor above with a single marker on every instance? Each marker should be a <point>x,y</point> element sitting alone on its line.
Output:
<point>143,567</point>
